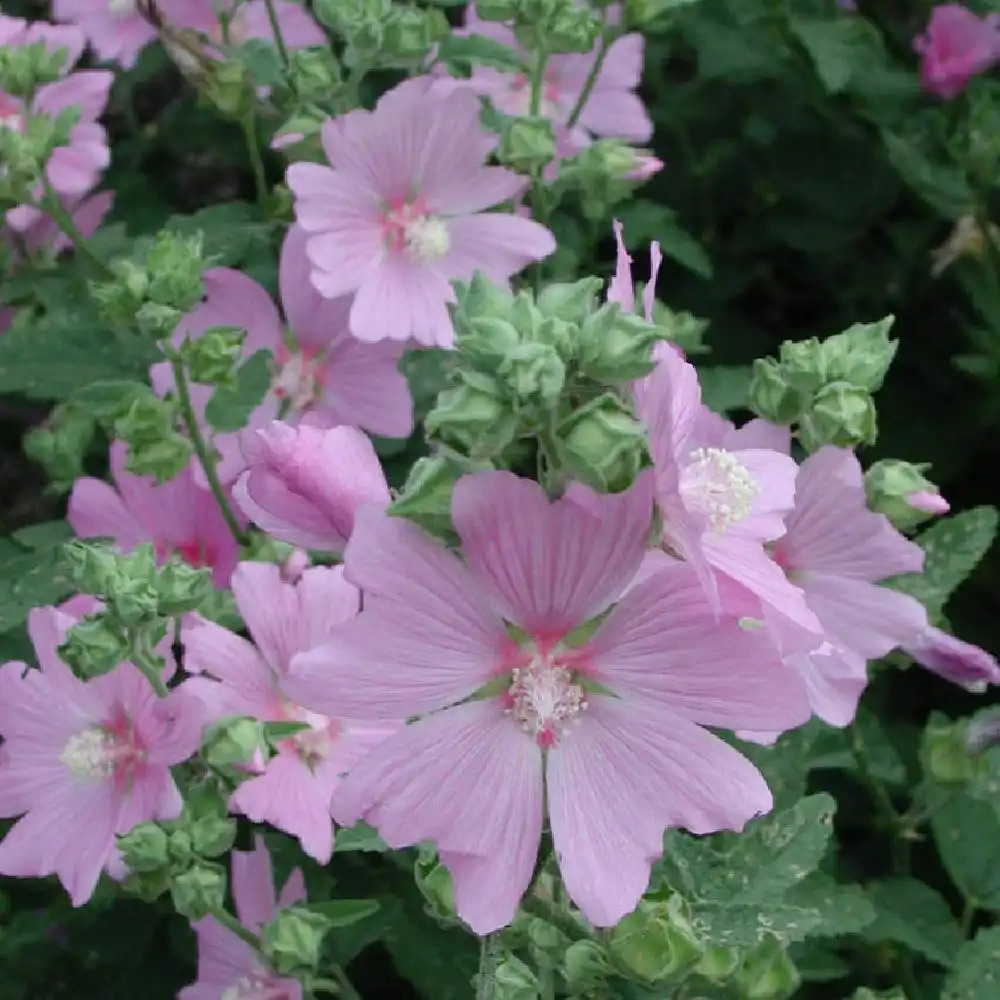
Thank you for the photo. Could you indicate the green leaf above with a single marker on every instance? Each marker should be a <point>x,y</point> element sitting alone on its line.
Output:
<point>953,548</point>
<point>360,837</point>
<point>739,885</point>
<point>840,49</point>
<point>837,908</point>
<point>977,969</point>
<point>31,580</point>
<point>725,387</point>
<point>967,833</point>
<point>229,408</point>
<point>232,232</point>
<point>461,52</point>
<point>344,912</point>
<point>44,535</point>
<point>912,913</point>
<point>278,731</point>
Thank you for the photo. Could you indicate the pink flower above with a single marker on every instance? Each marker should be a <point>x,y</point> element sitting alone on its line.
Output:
<point>304,484</point>
<point>621,289</point>
<point>954,660</point>
<point>929,502</point>
<point>836,550</point>
<point>83,761</point>
<point>723,494</point>
<point>293,791</point>
<point>178,517</point>
<point>227,965</point>
<point>399,213</point>
<point>73,169</point>
<point>613,109</point>
<point>956,46</point>
<point>252,21</point>
<point>618,768</point>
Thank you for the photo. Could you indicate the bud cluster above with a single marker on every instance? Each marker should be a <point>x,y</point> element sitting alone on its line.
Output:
<point>555,26</point>
<point>825,387</point>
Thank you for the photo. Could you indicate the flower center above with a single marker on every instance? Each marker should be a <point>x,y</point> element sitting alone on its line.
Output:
<point>406,225</point>
<point>259,985</point>
<point>517,99</point>
<point>298,377</point>
<point>717,484</point>
<point>100,752</point>
<point>315,744</point>
<point>121,8</point>
<point>10,113</point>
<point>543,700</point>
<point>194,552</point>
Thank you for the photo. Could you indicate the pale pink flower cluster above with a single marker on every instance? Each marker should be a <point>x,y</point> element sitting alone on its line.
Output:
<point>74,169</point>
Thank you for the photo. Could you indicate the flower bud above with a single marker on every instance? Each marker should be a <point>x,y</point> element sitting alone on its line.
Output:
<point>131,591</point>
<point>585,966</point>
<point>616,347</point>
<point>527,143</point>
<point>768,973</point>
<point>199,890</point>
<point>603,445</point>
<point>772,396</point>
<point>899,490</point>
<point>181,588</point>
<point>179,847</point>
<point>232,741</point>
<point>212,835</point>
<point>497,10</point>
<point>533,374</point>
<point>571,301</point>
<point>841,414</point>
<point>175,265</point>
<point>121,298</point>
<point>163,460</point>
<point>425,498</point>
<point>347,16</point>
<point>546,940</point>
<point>718,964</point>
<point>144,848</point>
<point>960,662</point>
<point>479,298</point>
<point>315,74</point>
<point>861,354</point>
<point>94,646</point>
<point>803,364</point>
<point>514,980</point>
<point>484,342</point>
<point>473,417</point>
<point>89,565</point>
<point>434,882</point>
<point>227,84</point>
<point>408,34</point>
<point>655,942</point>
<point>212,357</point>
<point>293,940</point>
<point>944,752</point>
<point>571,29</point>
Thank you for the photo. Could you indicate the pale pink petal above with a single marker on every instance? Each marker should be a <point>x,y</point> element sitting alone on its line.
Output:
<point>954,660</point>
<point>97,511</point>
<point>621,289</point>
<point>253,885</point>
<point>495,243</point>
<point>223,959</point>
<point>210,648</point>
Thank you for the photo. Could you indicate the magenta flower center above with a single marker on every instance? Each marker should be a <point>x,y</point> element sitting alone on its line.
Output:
<point>111,750</point>
<point>298,376</point>
<point>260,985</point>
<point>11,116</point>
<point>719,486</point>
<point>313,745</point>
<point>195,552</point>
<point>519,96</point>
<point>408,227</point>
<point>544,700</point>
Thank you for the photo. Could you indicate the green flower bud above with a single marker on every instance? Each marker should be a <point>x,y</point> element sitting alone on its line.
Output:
<point>346,16</point>
<point>768,973</point>
<point>480,297</point>
<point>94,646</point>
<point>212,835</point>
<point>89,565</point>
<point>484,341</point>
<point>434,882</point>
<point>899,490</point>
<point>144,848</point>
<point>228,85</point>
<point>59,448</point>
<point>514,980</point>
<point>212,358</point>
<point>426,496</point>
<point>585,966</point>
<point>655,942</point>
<point>616,347</point>
<point>527,143</point>
<point>841,414</point>
<point>803,364</point>
<point>572,301</point>
<point>179,847</point>
<point>181,588</point>
<point>164,460</point>
<point>603,445</point>
<point>497,10</point>
<point>175,265</point>
<point>156,321</point>
<point>718,964</point>
<point>292,942</point>
<point>772,396</point>
<point>473,418</point>
<point>945,755</point>
<point>571,29</point>
<point>408,36</point>
<point>315,73</point>
<point>533,373</point>
<point>861,354</point>
<point>199,890</point>
<point>25,68</point>
<point>148,886</point>
<point>546,940</point>
<point>232,741</point>
<point>121,298</point>
<point>131,591</point>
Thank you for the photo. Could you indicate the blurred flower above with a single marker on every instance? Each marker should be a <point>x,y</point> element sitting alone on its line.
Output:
<point>965,240</point>
<point>956,46</point>
<point>396,221</point>
<point>83,761</point>
<point>617,769</point>
<point>954,660</point>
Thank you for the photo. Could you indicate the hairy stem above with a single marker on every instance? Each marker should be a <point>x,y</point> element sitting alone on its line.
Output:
<point>249,123</point>
<point>232,924</point>
<point>52,206</point>
<point>279,42</point>
<point>608,35</point>
<point>489,954</point>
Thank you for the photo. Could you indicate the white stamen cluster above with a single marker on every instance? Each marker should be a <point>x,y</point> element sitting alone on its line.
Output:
<point>296,381</point>
<point>257,986</point>
<point>544,701</point>
<point>720,486</point>
<point>90,753</point>
<point>121,8</point>
<point>427,238</point>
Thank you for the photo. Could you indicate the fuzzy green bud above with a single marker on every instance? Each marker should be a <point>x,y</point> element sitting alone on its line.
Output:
<point>121,299</point>
<point>229,86</point>
<point>175,265</point>
<point>199,890</point>
<point>164,460</point>
<point>861,354</point>
<point>315,73</point>
<point>718,964</point>
<point>527,143</point>
<point>655,942</point>
<point>571,301</point>
<point>768,973</point>
<point>409,33</point>
<point>497,10</point>
<point>131,591</point>
<point>480,297</point>
<point>514,980</point>
<point>143,419</point>
<point>89,565</point>
<point>841,414</point>
<point>603,444</point>
<point>546,940</point>
<point>473,417</point>
<point>900,490</point>
<point>292,942</point>
<point>212,835</point>
<point>435,884</point>
<point>232,741</point>
<point>182,588</point>
<point>944,752</point>
<point>617,347</point>
<point>533,374</point>
<point>156,321</point>
<point>60,446</point>
<point>25,68</point>
<point>179,847</point>
<point>425,498</point>
<point>571,29</point>
<point>585,966</point>
<point>212,358</point>
<point>94,646</point>
<point>144,848</point>
<point>347,16</point>
<point>485,341</point>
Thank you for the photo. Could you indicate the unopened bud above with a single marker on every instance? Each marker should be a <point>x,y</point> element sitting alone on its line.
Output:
<point>527,143</point>
<point>841,414</point>
<point>473,417</point>
<point>292,942</point>
<point>585,966</point>
<point>144,848</point>
<point>533,374</point>
<point>861,354</point>
<point>772,396</point>
<point>181,588</point>
<point>212,357</point>
<point>768,973</point>
<point>233,741</point>
<point>94,646</point>
<point>655,942</point>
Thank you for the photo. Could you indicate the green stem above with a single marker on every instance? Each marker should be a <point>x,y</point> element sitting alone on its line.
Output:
<point>347,988</point>
<point>969,912</point>
<point>256,162</point>
<point>148,663</point>
<point>53,207</point>
<point>201,448</point>
<point>232,924</point>
<point>537,82</point>
<point>893,822</point>
<point>489,953</point>
<point>608,35</point>
<point>279,42</point>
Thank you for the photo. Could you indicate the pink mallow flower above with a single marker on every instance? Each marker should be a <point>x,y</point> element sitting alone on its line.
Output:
<point>228,968</point>
<point>837,550</point>
<point>723,494</point>
<point>83,761</point>
<point>72,170</point>
<point>956,46</point>
<point>303,485</point>
<point>292,791</point>
<point>613,110</point>
<point>605,734</point>
<point>959,662</point>
<point>399,213</point>
<point>178,517</point>
<point>249,21</point>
